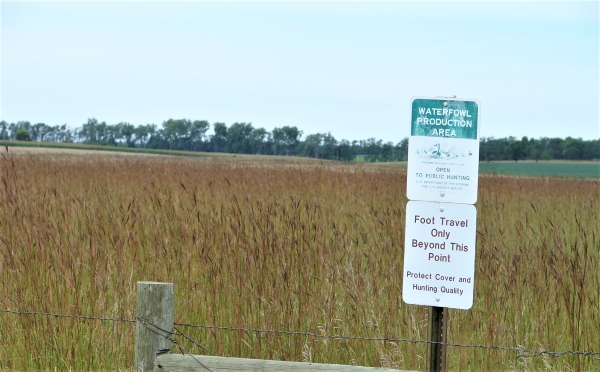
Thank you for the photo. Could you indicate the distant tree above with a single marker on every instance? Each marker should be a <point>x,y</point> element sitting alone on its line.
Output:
<point>109,134</point>
<point>23,135</point>
<point>312,145</point>
<point>356,148</point>
<point>329,144</point>
<point>278,141</point>
<point>66,135</point>
<point>402,147</point>
<point>89,131</point>
<point>176,132</point>
<point>103,133</point>
<point>259,141</point>
<point>14,127</point>
<point>535,149</point>
<point>494,149</point>
<point>43,130</point>
<point>572,148</point>
<point>127,132</point>
<point>35,129</point>
<point>515,150</point>
<point>286,140</point>
<point>238,138</point>
<point>4,130</point>
<point>59,133</point>
<point>387,152</point>
<point>484,149</point>
<point>143,134</point>
<point>591,150</point>
<point>345,151</point>
<point>554,148</point>
<point>218,141</point>
<point>292,137</point>
<point>373,149</point>
<point>198,129</point>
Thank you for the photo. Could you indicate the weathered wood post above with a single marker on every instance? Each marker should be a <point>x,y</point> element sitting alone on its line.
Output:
<point>438,329</point>
<point>154,304</point>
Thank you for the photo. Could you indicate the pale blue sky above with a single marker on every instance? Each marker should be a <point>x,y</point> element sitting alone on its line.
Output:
<point>349,68</point>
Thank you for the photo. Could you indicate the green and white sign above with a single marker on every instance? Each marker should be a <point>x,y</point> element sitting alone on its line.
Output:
<point>444,118</point>
<point>443,150</point>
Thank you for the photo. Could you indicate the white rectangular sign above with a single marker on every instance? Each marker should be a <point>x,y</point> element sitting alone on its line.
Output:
<point>439,254</point>
<point>443,150</point>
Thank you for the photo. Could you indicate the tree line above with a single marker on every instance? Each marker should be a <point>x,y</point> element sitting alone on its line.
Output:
<point>244,138</point>
<point>538,149</point>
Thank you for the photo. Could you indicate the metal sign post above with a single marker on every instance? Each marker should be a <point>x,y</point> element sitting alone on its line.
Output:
<point>442,181</point>
<point>437,334</point>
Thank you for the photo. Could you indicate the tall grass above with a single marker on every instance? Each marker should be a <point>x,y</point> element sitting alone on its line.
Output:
<point>312,247</point>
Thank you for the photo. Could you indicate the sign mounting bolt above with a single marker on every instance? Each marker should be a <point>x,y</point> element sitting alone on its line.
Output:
<point>442,194</point>
<point>437,299</point>
<point>441,209</point>
<point>445,104</point>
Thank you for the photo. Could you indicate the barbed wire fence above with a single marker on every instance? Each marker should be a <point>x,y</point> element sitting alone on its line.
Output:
<point>521,352</point>
<point>153,328</point>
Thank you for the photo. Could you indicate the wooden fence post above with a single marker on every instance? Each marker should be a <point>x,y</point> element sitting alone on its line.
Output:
<point>438,327</point>
<point>155,304</point>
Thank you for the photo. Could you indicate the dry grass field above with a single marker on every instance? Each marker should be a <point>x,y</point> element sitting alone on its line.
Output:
<point>289,245</point>
<point>66,152</point>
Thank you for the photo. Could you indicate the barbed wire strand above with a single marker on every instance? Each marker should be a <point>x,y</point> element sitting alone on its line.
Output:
<point>522,352</point>
<point>67,316</point>
<point>146,324</point>
<point>193,341</point>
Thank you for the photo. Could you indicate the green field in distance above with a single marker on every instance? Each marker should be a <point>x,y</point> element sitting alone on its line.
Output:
<point>581,169</point>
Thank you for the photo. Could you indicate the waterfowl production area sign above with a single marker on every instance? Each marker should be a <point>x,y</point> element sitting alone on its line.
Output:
<point>443,150</point>
<point>441,220</point>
